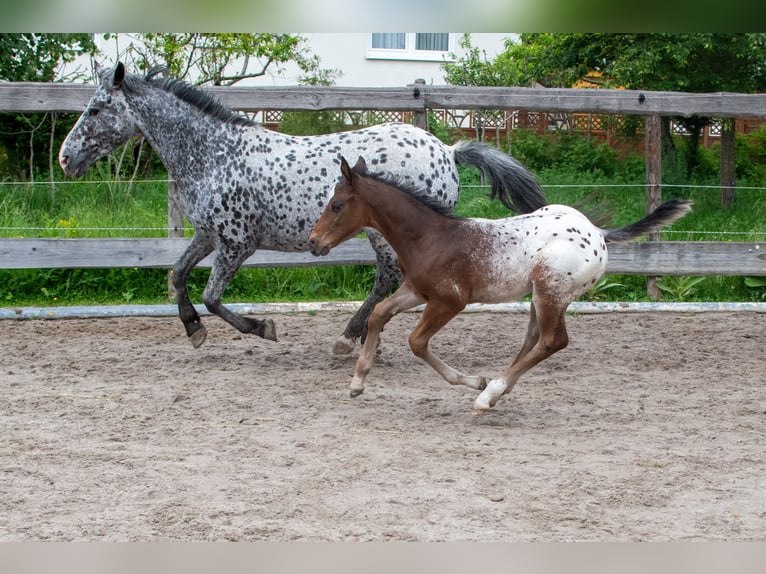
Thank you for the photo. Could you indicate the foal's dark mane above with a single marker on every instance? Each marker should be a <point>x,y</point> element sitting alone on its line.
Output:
<point>415,192</point>
<point>190,94</point>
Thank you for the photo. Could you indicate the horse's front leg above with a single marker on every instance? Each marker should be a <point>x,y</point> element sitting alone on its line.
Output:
<point>387,277</point>
<point>225,266</point>
<point>199,248</point>
<point>404,298</point>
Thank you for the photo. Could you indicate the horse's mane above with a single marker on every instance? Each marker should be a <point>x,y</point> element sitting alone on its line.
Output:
<point>417,193</point>
<point>190,94</point>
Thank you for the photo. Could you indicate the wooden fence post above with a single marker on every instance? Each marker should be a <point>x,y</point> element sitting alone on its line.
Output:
<point>175,227</point>
<point>728,172</point>
<point>419,118</point>
<point>653,144</point>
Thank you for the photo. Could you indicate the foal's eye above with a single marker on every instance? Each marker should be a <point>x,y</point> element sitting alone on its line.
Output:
<point>336,206</point>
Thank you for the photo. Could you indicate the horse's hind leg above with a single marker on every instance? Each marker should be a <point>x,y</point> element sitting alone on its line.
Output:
<point>552,337</point>
<point>401,300</point>
<point>387,277</point>
<point>224,268</point>
<point>199,248</point>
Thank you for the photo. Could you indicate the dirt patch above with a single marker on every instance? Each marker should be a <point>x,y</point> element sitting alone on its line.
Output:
<point>647,427</point>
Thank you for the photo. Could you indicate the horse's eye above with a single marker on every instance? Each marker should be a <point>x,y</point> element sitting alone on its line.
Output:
<point>92,112</point>
<point>336,206</point>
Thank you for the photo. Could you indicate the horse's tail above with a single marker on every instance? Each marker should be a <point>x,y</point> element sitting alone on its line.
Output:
<point>665,214</point>
<point>515,186</point>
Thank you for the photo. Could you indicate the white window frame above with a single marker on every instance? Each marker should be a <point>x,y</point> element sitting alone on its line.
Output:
<point>410,53</point>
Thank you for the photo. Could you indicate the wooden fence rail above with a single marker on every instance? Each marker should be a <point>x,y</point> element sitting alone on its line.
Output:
<point>44,97</point>
<point>644,258</point>
<point>639,258</point>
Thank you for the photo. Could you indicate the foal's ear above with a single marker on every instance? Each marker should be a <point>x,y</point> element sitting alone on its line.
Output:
<point>345,169</point>
<point>360,167</point>
<point>348,172</point>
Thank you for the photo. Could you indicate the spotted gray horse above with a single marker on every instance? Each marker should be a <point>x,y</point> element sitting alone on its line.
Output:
<point>244,187</point>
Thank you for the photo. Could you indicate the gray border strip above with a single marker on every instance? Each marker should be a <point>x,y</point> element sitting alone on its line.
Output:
<point>170,310</point>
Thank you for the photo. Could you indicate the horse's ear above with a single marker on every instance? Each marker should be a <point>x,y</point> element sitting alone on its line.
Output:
<point>119,75</point>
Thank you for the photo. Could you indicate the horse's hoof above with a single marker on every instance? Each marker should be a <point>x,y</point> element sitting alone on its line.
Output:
<point>355,393</point>
<point>198,337</point>
<point>343,346</point>
<point>269,330</point>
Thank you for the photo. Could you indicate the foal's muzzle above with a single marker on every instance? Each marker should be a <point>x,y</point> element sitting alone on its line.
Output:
<point>317,249</point>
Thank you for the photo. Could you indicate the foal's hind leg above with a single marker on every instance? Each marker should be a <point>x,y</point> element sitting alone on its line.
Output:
<point>552,337</point>
<point>224,268</point>
<point>199,248</point>
<point>533,333</point>
<point>404,298</point>
<point>387,277</point>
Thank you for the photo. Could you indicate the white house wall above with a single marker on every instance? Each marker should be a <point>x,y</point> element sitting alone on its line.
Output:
<point>347,52</point>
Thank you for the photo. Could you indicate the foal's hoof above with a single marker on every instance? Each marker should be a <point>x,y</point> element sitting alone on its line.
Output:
<point>198,337</point>
<point>353,393</point>
<point>343,346</point>
<point>478,410</point>
<point>480,406</point>
<point>269,330</point>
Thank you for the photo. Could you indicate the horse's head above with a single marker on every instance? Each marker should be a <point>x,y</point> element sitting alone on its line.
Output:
<point>344,215</point>
<point>105,125</point>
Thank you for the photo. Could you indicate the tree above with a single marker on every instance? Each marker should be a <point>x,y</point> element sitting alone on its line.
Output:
<point>698,62</point>
<point>223,59</point>
<point>26,138</point>
<point>690,62</point>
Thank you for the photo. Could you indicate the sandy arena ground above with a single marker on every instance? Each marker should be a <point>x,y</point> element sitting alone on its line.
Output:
<point>648,427</point>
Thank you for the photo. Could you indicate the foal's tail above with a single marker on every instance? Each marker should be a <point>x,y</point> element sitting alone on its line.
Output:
<point>665,214</point>
<point>515,186</point>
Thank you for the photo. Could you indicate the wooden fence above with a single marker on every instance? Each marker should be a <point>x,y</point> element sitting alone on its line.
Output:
<point>642,258</point>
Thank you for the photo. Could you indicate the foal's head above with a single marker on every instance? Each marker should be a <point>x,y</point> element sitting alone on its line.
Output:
<point>344,215</point>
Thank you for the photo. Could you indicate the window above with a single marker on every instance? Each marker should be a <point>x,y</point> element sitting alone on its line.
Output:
<point>410,46</point>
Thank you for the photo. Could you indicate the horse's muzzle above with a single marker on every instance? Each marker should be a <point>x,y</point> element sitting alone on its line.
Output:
<point>71,166</point>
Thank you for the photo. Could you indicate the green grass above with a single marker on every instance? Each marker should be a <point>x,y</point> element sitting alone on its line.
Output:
<point>93,209</point>
<point>108,209</point>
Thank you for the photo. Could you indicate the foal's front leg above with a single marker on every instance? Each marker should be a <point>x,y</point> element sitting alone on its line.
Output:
<point>402,299</point>
<point>435,316</point>
<point>387,276</point>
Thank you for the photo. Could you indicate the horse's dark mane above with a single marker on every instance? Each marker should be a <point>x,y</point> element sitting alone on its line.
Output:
<point>190,94</point>
<point>417,193</point>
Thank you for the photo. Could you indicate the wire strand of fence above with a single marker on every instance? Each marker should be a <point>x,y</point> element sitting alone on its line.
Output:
<point>466,186</point>
<point>72,232</point>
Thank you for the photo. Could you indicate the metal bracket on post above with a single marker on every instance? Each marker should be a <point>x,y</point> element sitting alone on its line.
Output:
<point>419,116</point>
